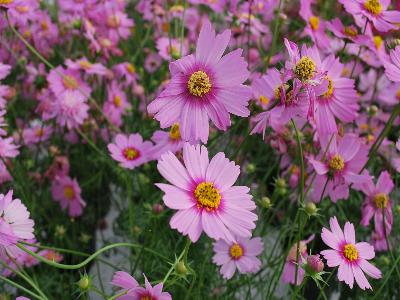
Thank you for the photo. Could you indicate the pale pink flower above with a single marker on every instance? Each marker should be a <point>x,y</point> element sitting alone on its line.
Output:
<point>67,191</point>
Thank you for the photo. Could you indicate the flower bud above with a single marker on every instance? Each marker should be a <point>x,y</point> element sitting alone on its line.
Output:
<point>84,283</point>
<point>157,208</point>
<point>311,208</point>
<point>315,263</point>
<point>372,110</point>
<point>265,202</point>
<point>251,168</point>
<point>180,268</point>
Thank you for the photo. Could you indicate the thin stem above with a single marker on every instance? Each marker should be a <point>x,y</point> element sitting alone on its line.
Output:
<point>20,287</point>
<point>359,51</point>
<point>300,148</point>
<point>275,35</point>
<point>182,255</point>
<point>89,259</point>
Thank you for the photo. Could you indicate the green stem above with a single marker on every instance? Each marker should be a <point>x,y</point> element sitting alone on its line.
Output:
<point>20,287</point>
<point>117,295</point>
<point>89,259</point>
<point>182,255</point>
<point>301,184</point>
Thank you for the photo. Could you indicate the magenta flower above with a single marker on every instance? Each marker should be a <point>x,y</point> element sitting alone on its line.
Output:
<point>85,65</point>
<point>37,133</point>
<point>165,141</point>
<point>134,291</point>
<point>345,160</point>
<point>376,202</point>
<point>130,150</point>
<point>70,111</point>
<point>241,255</point>
<point>375,11</point>
<point>116,104</point>
<point>15,224</point>
<point>204,86</point>
<point>351,257</point>
<point>203,193</point>
<point>7,148</point>
<point>67,191</point>
<point>392,67</point>
<point>4,70</point>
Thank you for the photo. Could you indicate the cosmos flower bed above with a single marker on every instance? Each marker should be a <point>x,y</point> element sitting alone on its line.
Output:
<point>246,149</point>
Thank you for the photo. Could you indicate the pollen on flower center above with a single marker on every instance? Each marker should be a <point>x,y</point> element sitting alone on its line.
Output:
<point>39,132</point>
<point>113,21</point>
<point>146,297</point>
<point>130,68</point>
<point>264,100</point>
<point>350,31</point>
<point>314,22</point>
<point>336,163</point>
<point>199,84</point>
<point>6,1</point>
<point>70,82</point>
<point>381,200</point>
<point>236,251</point>
<point>377,41</point>
<point>69,192</point>
<point>373,6</point>
<point>117,101</point>
<point>22,9</point>
<point>329,92</point>
<point>207,196</point>
<point>85,64</point>
<point>398,94</point>
<point>174,133</point>
<point>305,68</point>
<point>350,252</point>
<point>130,153</point>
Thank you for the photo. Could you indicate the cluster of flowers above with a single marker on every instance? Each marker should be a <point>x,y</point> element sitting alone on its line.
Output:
<point>314,89</point>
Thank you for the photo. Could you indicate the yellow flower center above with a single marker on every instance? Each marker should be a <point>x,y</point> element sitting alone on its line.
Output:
<point>6,1</point>
<point>377,41</point>
<point>117,101</point>
<point>350,31</point>
<point>146,297</point>
<point>314,22</point>
<point>39,132</point>
<point>236,251</point>
<point>70,82</point>
<point>336,163</point>
<point>370,138</point>
<point>207,196</point>
<point>350,252</point>
<point>106,43</point>
<point>69,192</point>
<point>22,9</point>
<point>264,100</point>
<point>381,200</point>
<point>174,133</point>
<point>305,68</point>
<point>199,84</point>
<point>130,153</point>
<point>113,21</point>
<point>398,94</point>
<point>373,6</point>
<point>84,64</point>
<point>329,92</point>
<point>130,68</point>
<point>44,25</point>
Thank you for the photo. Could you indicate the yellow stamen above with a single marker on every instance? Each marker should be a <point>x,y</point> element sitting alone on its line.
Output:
<point>350,252</point>
<point>398,94</point>
<point>207,196</point>
<point>117,101</point>
<point>377,41</point>
<point>236,251</point>
<point>70,82</point>
<point>264,100</point>
<point>6,1</point>
<point>84,64</point>
<point>130,68</point>
<point>329,92</point>
<point>113,21</point>
<point>44,25</point>
<point>381,200</point>
<point>350,31</point>
<point>373,6</point>
<point>305,68</point>
<point>336,163</point>
<point>314,22</point>
<point>199,84</point>
<point>39,132</point>
<point>174,133</point>
<point>22,9</point>
<point>130,153</point>
<point>69,192</point>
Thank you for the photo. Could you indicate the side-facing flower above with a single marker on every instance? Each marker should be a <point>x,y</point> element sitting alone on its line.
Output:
<point>240,254</point>
<point>203,193</point>
<point>351,257</point>
<point>67,191</point>
<point>204,86</point>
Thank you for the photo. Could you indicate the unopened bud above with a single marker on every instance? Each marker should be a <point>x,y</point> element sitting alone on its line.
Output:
<point>315,263</point>
<point>251,168</point>
<point>311,208</point>
<point>266,202</point>
<point>180,268</point>
<point>157,208</point>
<point>84,283</point>
<point>372,110</point>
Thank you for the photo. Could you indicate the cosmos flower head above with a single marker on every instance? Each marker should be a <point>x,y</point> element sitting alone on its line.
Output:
<point>203,193</point>
<point>204,86</point>
<point>351,257</point>
<point>67,192</point>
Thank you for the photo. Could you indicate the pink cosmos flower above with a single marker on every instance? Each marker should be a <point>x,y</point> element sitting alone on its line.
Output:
<point>37,133</point>
<point>392,67</point>
<point>204,86</point>
<point>134,291</point>
<point>130,150</point>
<point>375,11</point>
<point>345,158</point>
<point>70,111</point>
<point>289,269</point>
<point>67,191</point>
<point>340,100</point>
<point>351,257</point>
<point>169,49</point>
<point>7,147</point>
<point>69,85</point>
<point>85,65</point>
<point>165,141</point>
<point>377,201</point>
<point>116,104</point>
<point>345,32</point>
<point>204,195</point>
<point>241,255</point>
<point>15,224</point>
<point>4,70</point>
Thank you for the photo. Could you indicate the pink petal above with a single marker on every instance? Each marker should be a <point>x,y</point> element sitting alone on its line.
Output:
<point>365,250</point>
<point>173,171</point>
<point>176,198</point>
<point>360,277</point>
<point>349,233</point>
<point>196,161</point>
<point>333,258</point>
<point>370,269</point>
<point>222,172</point>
